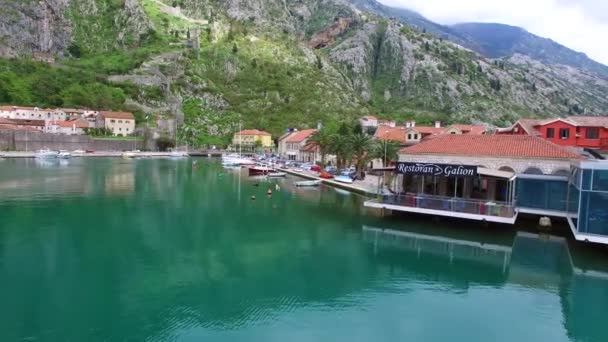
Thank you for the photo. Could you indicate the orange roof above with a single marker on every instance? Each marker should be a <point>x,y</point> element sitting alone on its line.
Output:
<point>471,129</point>
<point>391,133</point>
<point>252,132</point>
<point>310,147</point>
<point>26,122</point>
<point>369,117</point>
<point>301,135</point>
<point>69,124</point>
<point>429,130</point>
<point>6,121</point>
<point>117,115</point>
<point>517,146</point>
<point>7,108</point>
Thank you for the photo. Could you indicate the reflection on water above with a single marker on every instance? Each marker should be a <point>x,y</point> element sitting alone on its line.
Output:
<point>115,250</point>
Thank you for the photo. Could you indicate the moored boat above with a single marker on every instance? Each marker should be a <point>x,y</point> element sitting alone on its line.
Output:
<point>344,179</point>
<point>46,154</point>
<point>178,154</point>
<point>259,170</point>
<point>63,154</point>
<point>276,174</point>
<point>308,183</point>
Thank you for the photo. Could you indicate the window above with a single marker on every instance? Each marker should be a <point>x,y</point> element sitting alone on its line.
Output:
<point>415,136</point>
<point>112,121</point>
<point>120,129</point>
<point>127,129</point>
<point>119,121</point>
<point>550,133</point>
<point>409,136</point>
<point>592,133</point>
<point>564,133</point>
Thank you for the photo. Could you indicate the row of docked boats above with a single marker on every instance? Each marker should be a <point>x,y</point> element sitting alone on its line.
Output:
<point>50,154</point>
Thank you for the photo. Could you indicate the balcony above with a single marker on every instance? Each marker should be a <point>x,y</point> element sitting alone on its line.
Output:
<point>481,210</point>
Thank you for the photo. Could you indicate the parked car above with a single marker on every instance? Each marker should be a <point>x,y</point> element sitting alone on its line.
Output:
<point>331,169</point>
<point>90,151</point>
<point>306,166</point>
<point>315,168</point>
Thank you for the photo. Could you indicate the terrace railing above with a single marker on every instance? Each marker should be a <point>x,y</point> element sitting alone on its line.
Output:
<point>451,204</point>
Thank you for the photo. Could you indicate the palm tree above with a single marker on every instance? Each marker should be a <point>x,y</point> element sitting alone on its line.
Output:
<point>340,146</point>
<point>322,138</point>
<point>361,146</point>
<point>387,151</point>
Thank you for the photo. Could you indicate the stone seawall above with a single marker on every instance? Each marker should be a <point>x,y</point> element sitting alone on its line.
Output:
<point>30,141</point>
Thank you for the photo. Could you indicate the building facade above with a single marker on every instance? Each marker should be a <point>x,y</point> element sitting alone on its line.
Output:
<point>249,137</point>
<point>575,131</point>
<point>297,146</point>
<point>119,123</point>
<point>481,177</point>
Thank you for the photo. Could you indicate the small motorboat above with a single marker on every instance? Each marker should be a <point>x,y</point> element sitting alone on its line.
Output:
<point>308,183</point>
<point>260,170</point>
<point>344,179</point>
<point>128,154</point>
<point>45,153</point>
<point>63,154</point>
<point>326,175</point>
<point>276,174</point>
<point>178,154</point>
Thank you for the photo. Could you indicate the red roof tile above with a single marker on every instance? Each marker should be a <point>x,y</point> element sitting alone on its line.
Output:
<point>369,117</point>
<point>27,122</point>
<point>117,115</point>
<point>391,133</point>
<point>516,146</point>
<point>252,132</point>
<point>470,129</point>
<point>301,135</point>
<point>68,124</point>
<point>429,130</point>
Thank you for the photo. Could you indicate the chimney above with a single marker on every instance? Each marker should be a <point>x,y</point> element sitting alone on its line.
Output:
<point>437,124</point>
<point>407,124</point>
<point>413,123</point>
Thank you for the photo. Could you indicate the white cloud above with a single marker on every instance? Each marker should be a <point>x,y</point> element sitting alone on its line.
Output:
<point>581,25</point>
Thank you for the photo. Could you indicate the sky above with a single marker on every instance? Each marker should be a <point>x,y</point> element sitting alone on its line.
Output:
<point>581,25</point>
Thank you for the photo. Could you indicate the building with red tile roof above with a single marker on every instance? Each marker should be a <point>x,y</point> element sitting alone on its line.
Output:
<point>575,131</point>
<point>119,123</point>
<point>248,137</point>
<point>492,146</point>
<point>301,136</point>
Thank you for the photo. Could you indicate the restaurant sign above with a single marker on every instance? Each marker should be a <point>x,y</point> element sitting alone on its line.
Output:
<point>438,170</point>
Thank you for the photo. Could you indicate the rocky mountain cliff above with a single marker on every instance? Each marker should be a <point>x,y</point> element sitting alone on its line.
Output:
<point>269,63</point>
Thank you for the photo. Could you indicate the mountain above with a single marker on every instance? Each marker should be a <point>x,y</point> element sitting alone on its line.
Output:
<point>269,64</point>
<point>499,40</point>
<point>492,40</point>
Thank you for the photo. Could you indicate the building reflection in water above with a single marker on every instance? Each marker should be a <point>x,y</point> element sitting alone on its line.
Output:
<point>538,262</point>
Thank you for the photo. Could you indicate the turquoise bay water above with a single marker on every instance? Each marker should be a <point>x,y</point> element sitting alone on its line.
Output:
<point>154,250</point>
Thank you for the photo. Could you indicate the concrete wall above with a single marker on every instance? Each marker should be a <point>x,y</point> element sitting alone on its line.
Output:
<point>31,141</point>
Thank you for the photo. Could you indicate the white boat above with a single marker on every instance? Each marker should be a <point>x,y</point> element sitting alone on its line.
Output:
<point>344,179</point>
<point>63,154</point>
<point>308,183</point>
<point>235,159</point>
<point>276,174</point>
<point>46,154</point>
<point>128,154</point>
<point>178,154</point>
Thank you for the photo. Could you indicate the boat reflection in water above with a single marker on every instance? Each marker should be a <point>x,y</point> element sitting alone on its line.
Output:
<point>538,264</point>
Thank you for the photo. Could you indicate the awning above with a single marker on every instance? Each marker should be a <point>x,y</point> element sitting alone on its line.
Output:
<point>495,173</point>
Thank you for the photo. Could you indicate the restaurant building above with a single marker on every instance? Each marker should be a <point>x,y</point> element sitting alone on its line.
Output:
<point>494,178</point>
